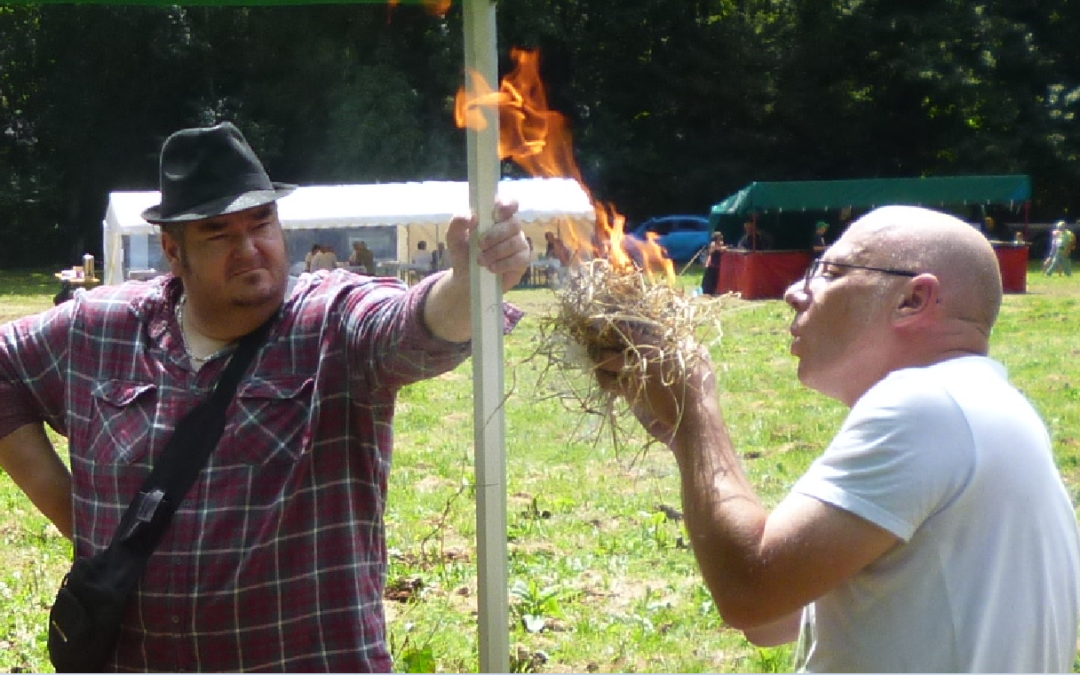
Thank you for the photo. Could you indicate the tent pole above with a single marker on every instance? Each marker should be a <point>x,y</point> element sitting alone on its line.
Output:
<point>488,419</point>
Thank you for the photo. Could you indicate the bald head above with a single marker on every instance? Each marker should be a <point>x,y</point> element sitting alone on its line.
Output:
<point>925,241</point>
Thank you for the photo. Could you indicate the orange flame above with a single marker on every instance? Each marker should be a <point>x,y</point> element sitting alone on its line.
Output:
<point>436,7</point>
<point>538,139</point>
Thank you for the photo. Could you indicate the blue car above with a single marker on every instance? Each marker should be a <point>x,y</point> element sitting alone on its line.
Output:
<point>684,238</point>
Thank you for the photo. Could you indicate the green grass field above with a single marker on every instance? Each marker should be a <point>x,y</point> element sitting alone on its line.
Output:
<point>600,577</point>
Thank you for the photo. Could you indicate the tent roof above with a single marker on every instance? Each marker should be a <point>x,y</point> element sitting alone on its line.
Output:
<point>329,206</point>
<point>865,193</point>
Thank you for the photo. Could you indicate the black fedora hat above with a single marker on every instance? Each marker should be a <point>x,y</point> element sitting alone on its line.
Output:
<point>211,171</point>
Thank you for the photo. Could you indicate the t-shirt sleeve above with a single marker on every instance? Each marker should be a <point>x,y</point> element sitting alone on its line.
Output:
<point>903,453</point>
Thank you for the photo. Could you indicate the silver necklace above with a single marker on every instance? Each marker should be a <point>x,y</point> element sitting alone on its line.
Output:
<point>183,333</point>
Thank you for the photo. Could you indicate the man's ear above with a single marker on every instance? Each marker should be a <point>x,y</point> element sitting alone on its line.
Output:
<point>173,250</point>
<point>920,294</point>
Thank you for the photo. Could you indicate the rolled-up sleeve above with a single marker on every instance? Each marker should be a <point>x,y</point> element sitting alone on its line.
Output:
<point>386,330</point>
<point>33,357</point>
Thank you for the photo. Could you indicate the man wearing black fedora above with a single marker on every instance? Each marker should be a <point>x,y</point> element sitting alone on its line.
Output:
<point>276,557</point>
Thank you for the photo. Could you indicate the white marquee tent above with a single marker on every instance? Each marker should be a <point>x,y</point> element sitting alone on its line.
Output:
<point>406,213</point>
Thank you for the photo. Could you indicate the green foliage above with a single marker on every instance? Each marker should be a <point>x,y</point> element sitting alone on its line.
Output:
<point>534,604</point>
<point>34,560</point>
<point>672,105</point>
<point>415,659</point>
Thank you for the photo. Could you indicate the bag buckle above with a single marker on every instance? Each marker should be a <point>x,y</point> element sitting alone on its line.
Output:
<point>148,505</point>
<point>144,512</point>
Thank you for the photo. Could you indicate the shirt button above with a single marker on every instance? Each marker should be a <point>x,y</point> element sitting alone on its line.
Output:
<point>175,619</point>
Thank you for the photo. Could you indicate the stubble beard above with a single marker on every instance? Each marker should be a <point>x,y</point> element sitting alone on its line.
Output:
<point>254,297</point>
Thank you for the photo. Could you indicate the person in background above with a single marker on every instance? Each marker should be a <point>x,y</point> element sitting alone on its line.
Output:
<point>362,257</point>
<point>422,257</point>
<point>439,259</point>
<point>935,523</point>
<point>996,230</point>
<point>276,559</point>
<point>1068,245</point>
<point>844,220</point>
<point>1052,261</point>
<point>325,259</point>
<point>754,238</point>
<point>1062,243</point>
<point>819,238</point>
<point>310,257</point>
<point>710,280</point>
<point>556,249</point>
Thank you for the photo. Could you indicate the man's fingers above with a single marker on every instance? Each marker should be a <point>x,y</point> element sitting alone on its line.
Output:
<point>506,251</point>
<point>459,228</point>
<point>500,232</point>
<point>503,248</point>
<point>505,210</point>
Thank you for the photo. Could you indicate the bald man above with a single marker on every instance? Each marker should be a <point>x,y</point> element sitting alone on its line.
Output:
<point>934,533</point>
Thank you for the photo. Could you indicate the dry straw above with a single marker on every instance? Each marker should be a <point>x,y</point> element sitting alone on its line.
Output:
<point>597,308</point>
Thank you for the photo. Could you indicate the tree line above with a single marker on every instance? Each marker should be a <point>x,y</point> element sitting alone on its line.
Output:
<point>672,105</point>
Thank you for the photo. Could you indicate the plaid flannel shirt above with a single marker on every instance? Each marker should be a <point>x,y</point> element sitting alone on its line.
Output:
<point>276,559</point>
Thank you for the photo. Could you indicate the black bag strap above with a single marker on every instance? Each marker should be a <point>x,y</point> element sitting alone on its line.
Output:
<point>195,437</point>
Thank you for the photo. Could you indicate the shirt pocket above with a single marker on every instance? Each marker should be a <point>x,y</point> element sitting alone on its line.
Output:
<point>270,421</point>
<point>121,425</point>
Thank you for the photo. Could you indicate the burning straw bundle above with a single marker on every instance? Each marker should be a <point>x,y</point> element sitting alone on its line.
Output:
<point>596,308</point>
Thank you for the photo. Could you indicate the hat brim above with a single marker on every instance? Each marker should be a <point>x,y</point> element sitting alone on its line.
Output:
<point>219,207</point>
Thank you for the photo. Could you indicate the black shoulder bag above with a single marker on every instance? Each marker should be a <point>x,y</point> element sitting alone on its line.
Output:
<point>84,624</point>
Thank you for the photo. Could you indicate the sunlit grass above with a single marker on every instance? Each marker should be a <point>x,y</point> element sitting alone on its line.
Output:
<point>600,576</point>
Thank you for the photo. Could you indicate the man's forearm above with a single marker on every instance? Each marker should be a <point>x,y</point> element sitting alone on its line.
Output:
<point>447,309</point>
<point>724,516</point>
<point>28,456</point>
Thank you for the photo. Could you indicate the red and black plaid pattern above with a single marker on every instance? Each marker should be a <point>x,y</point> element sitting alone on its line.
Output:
<point>276,560</point>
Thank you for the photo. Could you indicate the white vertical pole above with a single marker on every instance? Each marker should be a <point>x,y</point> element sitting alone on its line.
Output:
<point>487,322</point>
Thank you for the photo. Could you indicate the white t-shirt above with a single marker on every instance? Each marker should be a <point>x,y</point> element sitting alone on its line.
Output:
<point>422,258</point>
<point>956,463</point>
<point>324,260</point>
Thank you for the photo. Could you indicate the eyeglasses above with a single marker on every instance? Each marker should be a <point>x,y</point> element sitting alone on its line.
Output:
<point>815,270</point>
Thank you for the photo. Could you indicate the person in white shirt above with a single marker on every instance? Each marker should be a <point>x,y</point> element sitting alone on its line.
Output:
<point>422,257</point>
<point>325,259</point>
<point>934,533</point>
